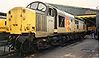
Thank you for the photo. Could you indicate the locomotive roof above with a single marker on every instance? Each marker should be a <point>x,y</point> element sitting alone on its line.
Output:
<point>59,11</point>
<point>66,14</point>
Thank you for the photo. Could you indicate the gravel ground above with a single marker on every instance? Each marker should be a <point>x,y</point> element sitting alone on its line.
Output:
<point>88,48</point>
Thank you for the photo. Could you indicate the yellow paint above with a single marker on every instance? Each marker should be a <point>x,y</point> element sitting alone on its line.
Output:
<point>2,25</point>
<point>86,16</point>
<point>21,20</point>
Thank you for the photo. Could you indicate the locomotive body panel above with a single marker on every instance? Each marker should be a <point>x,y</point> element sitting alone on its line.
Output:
<point>50,24</point>
<point>61,21</point>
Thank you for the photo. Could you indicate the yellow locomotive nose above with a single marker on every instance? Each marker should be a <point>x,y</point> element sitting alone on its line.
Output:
<point>21,20</point>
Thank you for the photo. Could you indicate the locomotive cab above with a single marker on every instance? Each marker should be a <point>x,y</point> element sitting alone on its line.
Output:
<point>46,18</point>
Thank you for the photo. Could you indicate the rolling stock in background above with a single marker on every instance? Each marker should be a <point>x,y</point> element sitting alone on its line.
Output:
<point>2,22</point>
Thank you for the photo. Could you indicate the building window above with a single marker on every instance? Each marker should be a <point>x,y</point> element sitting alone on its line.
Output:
<point>61,21</point>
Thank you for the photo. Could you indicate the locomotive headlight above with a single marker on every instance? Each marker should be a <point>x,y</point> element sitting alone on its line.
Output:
<point>33,27</point>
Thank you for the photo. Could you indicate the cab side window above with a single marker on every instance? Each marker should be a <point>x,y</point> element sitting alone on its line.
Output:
<point>76,22</point>
<point>51,12</point>
<point>61,21</point>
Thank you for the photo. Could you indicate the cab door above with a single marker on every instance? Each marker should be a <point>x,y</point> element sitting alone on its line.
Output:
<point>50,21</point>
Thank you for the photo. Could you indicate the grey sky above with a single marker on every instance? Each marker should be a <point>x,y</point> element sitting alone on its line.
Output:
<point>6,5</point>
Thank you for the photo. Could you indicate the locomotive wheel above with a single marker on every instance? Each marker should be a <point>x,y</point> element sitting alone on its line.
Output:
<point>64,41</point>
<point>24,45</point>
<point>29,45</point>
<point>54,41</point>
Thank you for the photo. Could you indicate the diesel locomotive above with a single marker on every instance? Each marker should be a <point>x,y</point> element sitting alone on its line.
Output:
<point>41,25</point>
